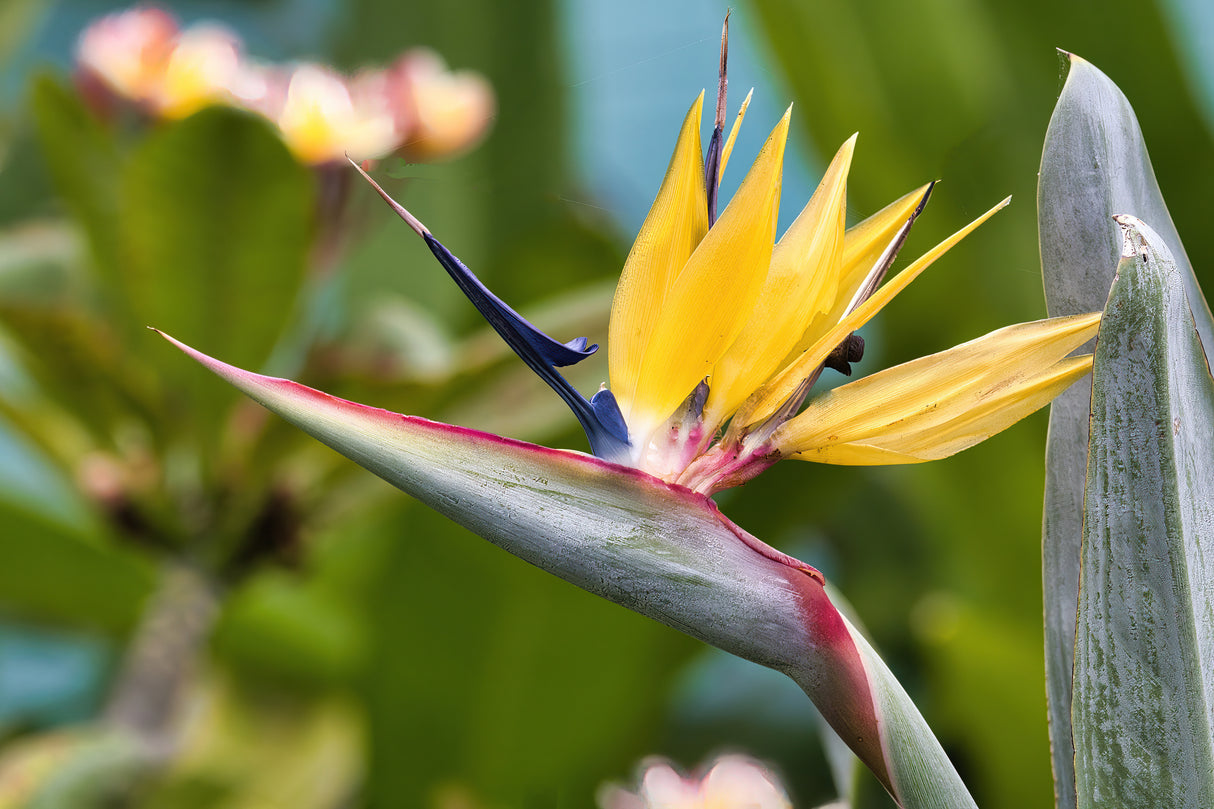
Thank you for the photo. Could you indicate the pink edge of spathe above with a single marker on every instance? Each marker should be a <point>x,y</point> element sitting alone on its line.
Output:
<point>850,709</point>
<point>568,456</point>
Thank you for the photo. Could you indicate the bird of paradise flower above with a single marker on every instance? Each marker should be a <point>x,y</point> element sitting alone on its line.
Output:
<point>717,335</point>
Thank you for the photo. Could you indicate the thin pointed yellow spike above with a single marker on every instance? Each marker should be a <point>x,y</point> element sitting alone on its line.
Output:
<point>713,295</point>
<point>769,398</point>
<point>935,406</point>
<point>733,133</point>
<point>677,221</point>
<point>802,264</point>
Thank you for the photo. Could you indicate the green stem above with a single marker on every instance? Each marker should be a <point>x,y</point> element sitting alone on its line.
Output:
<point>163,656</point>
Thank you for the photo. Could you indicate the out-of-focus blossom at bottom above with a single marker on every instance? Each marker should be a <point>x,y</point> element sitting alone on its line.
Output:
<point>733,782</point>
<point>142,57</point>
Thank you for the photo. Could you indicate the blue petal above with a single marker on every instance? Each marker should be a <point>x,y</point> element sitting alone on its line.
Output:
<point>512,326</point>
<point>600,417</point>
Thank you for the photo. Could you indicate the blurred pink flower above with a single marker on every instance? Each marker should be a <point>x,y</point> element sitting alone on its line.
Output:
<point>417,108</point>
<point>733,782</point>
<point>127,51</point>
<point>438,112</point>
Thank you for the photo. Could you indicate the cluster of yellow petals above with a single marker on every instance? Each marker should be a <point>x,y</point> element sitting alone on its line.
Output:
<point>754,320</point>
<point>415,107</point>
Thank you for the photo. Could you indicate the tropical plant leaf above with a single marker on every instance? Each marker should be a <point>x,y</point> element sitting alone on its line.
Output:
<point>85,165</point>
<point>219,219</point>
<point>1143,710</point>
<point>217,223</point>
<point>1094,165</point>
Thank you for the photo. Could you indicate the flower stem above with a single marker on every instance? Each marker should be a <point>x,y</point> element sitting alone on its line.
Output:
<point>162,657</point>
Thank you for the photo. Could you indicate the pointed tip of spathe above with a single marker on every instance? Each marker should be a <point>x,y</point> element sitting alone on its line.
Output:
<point>185,349</point>
<point>410,220</point>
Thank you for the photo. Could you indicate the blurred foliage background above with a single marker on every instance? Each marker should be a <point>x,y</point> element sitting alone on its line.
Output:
<point>397,660</point>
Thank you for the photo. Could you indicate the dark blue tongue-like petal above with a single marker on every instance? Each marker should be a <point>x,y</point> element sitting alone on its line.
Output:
<point>600,417</point>
<point>513,327</point>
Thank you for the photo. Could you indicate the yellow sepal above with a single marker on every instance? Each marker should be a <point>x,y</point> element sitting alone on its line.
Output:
<point>714,294</point>
<point>934,406</point>
<point>771,396</point>
<point>863,245</point>
<point>727,150</point>
<point>803,264</point>
<point>677,221</point>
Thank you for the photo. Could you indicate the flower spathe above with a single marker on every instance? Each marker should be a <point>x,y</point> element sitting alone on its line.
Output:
<point>718,332</point>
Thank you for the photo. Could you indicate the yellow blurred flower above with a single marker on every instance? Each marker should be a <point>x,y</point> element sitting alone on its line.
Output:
<point>141,55</point>
<point>203,68</point>
<point>324,118</point>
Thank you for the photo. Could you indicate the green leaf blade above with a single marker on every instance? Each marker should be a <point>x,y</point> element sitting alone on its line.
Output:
<point>219,219</point>
<point>218,222</point>
<point>1094,165</point>
<point>1144,656</point>
<point>85,165</point>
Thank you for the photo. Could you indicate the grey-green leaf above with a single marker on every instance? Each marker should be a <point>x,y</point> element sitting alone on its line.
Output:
<point>1094,165</point>
<point>1143,710</point>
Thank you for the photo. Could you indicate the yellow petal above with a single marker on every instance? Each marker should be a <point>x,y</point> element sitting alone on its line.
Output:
<point>733,133</point>
<point>676,223</point>
<point>935,406</point>
<point>804,262</point>
<point>769,398</point>
<point>713,296</point>
<point>863,245</point>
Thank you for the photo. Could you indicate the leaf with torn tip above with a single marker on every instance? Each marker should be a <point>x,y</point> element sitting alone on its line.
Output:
<point>1094,165</point>
<point>1143,710</point>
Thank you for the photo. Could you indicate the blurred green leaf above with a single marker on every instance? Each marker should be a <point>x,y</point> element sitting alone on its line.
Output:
<point>490,674</point>
<point>54,573</point>
<point>1144,651</point>
<point>217,217</point>
<point>17,17</point>
<point>36,260</point>
<point>83,374</point>
<point>85,165</point>
<point>255,746</point>
<point>1094,164</point>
